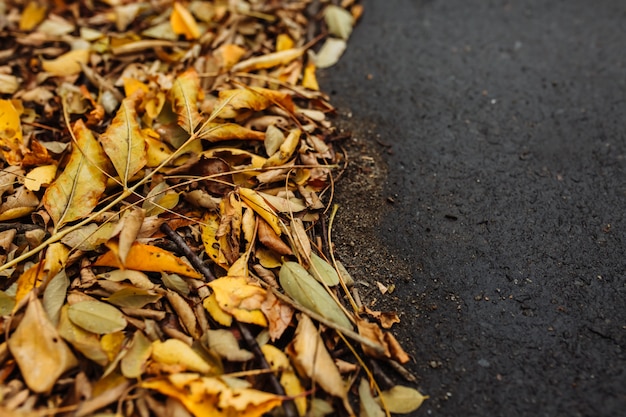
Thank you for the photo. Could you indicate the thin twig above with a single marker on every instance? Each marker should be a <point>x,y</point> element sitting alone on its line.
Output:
<point>288,405</point>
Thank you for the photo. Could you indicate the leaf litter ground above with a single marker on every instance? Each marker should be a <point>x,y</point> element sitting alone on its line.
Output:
<point>166,217</point>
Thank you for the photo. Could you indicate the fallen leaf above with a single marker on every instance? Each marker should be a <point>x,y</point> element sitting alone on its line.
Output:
<point>10,132</point>
<point>269,238</point>
<point>126,232</point>
<point>225,344</point>
<point>339,21</point>
<point>368,407</point>
<point>175,352</point>
<point>183,22</point>
<point>39,350</point>
<point>278,315</point>
<point>83,341</point>
<point>148,258</point>
<point>77,190</point>
<point>285,151</point>
<point>330,53</point>
<point>124,143</point>
<point>268,60</point>
<point>96,317</point>
<point>135,360</point>
<point>241,298</point>
<point>323,271</point>
<point>310,357</point>
<point>303,288</point>
<point>33,14</point>
<point>43,175</point>
<point>279,362</point>
<point>69,63</point>
<point>133,297</point>
<point>215,132</point>
<point>252,98</point>
<point>184,92</point>
<point>402,400</point>
<point>256,202</point>
<point>54,295</point>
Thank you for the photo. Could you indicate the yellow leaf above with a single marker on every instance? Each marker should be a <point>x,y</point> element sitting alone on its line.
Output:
<point>286,150</point>
<point>148,258</point>
<point>132,85</point>
<point>256,202</point>
<point>183,22</point>
<point>77,190</point>
<point>176,352</point>
<point>230,54</point>
<point>212,397</point>
<point>66,64</point>
<point>134,361</point>
<point>288,379</point>
<point>185,92</point>
<point>241,298</point>
<point>39,350</point>
<point>253,98</point>
<point>212,243</point>
<point>56,257</point>
<point>83,341</point>
<point>309,80</point>
<point>284,42</point>
<point>269,60</point>
<point>124,143</point>
<point>157,151</point>
<point>10,132</point>
<point>212,307</point>
<point>32,15</point>
<point>112,344</point>
<point>310,357</point>
<point>402,400</point>
<point>215,132</point>
<point>39,176</point>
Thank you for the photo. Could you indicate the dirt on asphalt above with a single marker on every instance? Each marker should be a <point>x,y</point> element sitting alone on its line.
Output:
<point>488,184</point>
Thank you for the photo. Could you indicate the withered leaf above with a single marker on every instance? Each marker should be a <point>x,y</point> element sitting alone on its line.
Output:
<point>135,360</point>
<point>54,295</point>
<point>77,190</point>
<point>96,317</point>
<point>184,94</point>
<point>402,400</point>
<point>215,132</point>
<point>225,344</point>
<point>39,350</point>
<point>176,352</point>
<point>133,297</point>
<point>303,288</point>
<point>124,143</point>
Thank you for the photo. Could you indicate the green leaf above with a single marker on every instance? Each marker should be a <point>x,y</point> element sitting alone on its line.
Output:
<point>97,317</point>
<point>402,400</point>
<point>54,295</point>
<point>368,405</point>
<point>303,288</point>
<point>322,271</point>
<point>174,282</point>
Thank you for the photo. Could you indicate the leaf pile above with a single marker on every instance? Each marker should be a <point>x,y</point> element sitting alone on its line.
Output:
<point>166,171</point>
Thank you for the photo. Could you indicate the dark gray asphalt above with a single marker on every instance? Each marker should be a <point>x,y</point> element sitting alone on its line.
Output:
<point>508,132</point>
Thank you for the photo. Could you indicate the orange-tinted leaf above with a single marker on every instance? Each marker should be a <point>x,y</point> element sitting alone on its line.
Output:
<point>124,143</point>
<point>10,132</point>
<point>39,350</point>
<point>269,60</point>
<point>183,22</point>
<point>256,202</point>
<point>32,15</point>
<point>185,91</point>
<point>230,54</point>
<point>77,190</point>
<point>148,258</point>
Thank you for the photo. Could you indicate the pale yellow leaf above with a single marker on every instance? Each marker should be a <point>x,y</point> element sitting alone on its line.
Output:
<point>77,190</point>
<point>69,63</point>
<point>286,149</point>
<point>175,352</point>
<point>368,406</point>
<point>225,344</point>
<point>39,176</point>
<point>241,298</point>
<point>402,400</point>
<point>268,60</point>
<point>134,361</point>
<point>184,96</point>
<point>279,362</point>
<point>124,143</point>
<point>97,317</point>
<point>39,350</point>
<point>339,21</point>
<point>256,202</point>
<point>330,53</point>
<point>83,341</point>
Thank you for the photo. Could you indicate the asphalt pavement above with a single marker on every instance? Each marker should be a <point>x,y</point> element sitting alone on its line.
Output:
<point>489,182</point>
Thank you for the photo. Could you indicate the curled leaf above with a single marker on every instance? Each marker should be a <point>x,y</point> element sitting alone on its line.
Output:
<point>185,91</point>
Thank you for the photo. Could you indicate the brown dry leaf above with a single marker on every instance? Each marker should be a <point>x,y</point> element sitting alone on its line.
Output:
<point>269,238</point>
<point>310,357</point>
<point>372,332</point>
<point>77,190</point>
<point>148,258</point>
<point>39,350</point>
<point>10,132</point>
<point>124,143</point>
<point>301,240</point>
<point>184,97</point>
<point>279,315</point>
<point>126,231</point>
<point>397,353</point>
<point>241,298</point>
<point>215,132</point>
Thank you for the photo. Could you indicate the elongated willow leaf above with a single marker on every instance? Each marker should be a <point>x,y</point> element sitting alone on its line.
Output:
<point>185,100</point>
<point>78,189</point>
<point>124,142</point>
<point>303,288</point>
